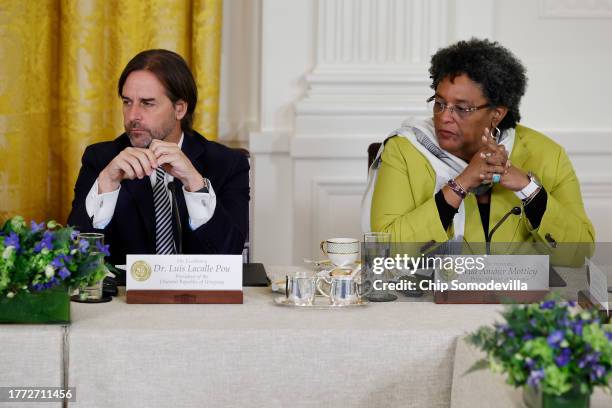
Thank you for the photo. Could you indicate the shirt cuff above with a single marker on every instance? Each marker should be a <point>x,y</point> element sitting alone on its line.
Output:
<point>200,206</point>
<point>101,207</point>
<point>446,212</point>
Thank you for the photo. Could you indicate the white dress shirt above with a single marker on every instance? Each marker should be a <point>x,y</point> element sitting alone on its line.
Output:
<point>200,206</point>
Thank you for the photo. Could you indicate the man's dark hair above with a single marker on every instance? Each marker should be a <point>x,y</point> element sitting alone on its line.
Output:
<point>493,67</point>
<point>174,74</point>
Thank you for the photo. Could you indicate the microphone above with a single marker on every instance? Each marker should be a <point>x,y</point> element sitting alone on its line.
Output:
<point>177,218</point>
<point>515,211</point>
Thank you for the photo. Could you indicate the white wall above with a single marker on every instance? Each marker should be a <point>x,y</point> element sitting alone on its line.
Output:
<point>310,83</point>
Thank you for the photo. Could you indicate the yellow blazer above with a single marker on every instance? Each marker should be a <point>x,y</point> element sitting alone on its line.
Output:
<point>403,200</point>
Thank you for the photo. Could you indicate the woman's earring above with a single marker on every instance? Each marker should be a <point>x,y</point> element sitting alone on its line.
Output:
<point>495,133</point>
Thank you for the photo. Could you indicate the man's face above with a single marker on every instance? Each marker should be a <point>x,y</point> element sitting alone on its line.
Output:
<point>147,112</point>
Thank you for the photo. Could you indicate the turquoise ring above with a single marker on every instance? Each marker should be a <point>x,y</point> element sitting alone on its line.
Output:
<point>496,178</point>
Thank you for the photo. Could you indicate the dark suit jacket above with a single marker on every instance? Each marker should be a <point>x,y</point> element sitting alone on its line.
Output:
<point>132,228</point>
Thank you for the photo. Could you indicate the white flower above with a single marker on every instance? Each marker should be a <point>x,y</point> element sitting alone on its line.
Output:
<point>8,251</point>
<point>49,271</point>
<point>10,295</point>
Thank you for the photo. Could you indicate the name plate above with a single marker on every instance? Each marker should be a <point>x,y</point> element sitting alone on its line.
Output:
<point>598,285</point>
<point>184,278</point>
<point>497,272</point>
<point>494,278</point>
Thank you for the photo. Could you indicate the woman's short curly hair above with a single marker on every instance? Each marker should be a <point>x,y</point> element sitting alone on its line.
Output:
<point>498,72</point>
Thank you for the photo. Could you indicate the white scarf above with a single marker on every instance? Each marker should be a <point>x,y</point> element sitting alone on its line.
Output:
<point>422,135</point>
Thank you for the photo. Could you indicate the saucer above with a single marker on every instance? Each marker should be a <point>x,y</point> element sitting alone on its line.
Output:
<point>283,301</point>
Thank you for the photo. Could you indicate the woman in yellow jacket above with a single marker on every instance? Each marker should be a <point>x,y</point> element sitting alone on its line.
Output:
<point>458,174</point>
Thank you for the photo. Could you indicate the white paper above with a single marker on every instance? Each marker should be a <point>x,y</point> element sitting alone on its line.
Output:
<point>598,284</point>
<point>502,272</point>
<point>184,272</point>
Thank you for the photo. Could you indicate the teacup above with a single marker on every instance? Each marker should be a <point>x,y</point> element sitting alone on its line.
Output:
<point>301,289</point>
<point>341,251</point>
<point>343,290</point>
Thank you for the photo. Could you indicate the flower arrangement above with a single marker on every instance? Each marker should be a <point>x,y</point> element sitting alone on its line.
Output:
<point>552,346</point>
<point>41,256</point>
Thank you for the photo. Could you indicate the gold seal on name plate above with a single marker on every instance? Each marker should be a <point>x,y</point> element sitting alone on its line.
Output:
<point>141,271</point>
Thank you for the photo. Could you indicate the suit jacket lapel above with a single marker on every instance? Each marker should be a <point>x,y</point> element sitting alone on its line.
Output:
<point>503,199</point>
<point>192,149</point>
<point>142,192</point>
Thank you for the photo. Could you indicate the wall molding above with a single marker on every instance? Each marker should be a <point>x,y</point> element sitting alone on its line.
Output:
<point>323,188</point>
<point>553,9</point>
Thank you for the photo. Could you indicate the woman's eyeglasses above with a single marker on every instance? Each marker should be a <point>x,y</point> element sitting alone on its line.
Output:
<point>438,107</point>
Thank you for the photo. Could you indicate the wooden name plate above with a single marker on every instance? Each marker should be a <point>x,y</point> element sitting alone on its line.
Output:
<point>184,296</point>
<point>489,297</point>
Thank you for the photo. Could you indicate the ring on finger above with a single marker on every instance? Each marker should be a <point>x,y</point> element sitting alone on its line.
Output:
<point>496,178</point>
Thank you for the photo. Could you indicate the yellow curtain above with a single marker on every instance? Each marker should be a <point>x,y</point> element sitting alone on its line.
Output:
<point>60,62</point>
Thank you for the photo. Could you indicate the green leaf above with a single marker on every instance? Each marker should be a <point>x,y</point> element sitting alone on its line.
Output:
<point>478,365</point>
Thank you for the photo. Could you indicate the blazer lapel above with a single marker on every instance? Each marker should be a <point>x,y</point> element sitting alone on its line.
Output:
<point>192,149</point>
<point>503,200</point>
<point>142,192</point>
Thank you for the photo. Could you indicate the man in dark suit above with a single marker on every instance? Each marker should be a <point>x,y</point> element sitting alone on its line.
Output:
<point>161,187</point>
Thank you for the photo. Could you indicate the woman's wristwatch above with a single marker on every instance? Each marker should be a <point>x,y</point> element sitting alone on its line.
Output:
<point>530,190</point>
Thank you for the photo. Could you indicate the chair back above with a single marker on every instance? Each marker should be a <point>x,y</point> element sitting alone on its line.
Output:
<point>372,150</point>
<point>246,251</point>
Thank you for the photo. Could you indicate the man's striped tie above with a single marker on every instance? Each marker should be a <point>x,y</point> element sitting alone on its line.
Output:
<point>164,241</point>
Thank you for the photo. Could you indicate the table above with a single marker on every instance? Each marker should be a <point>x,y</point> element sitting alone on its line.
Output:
<point>260,354</point>
<point>406,353</point>
<point>31,356</point>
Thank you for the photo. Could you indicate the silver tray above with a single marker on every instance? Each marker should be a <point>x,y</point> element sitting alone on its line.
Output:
<point>283,301</point>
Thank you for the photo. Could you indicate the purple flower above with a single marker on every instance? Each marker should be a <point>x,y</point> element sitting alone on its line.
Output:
<point>37,287</point>
<point>535,377</point>
<point>74,234</point>
<point>549,304</point>
<point>83,245</point>
<point>572,303</point>
<point>564,357</point>
<point>589,359</point>
<point>597,371</point>
<point>609,335</point>
<point>102,248</point>
<point>45,242</point>
<point>565,322</point>
<point>57,262</point>
<point>577,327</point>
<point>555,338</point>
<point>527,336</point>
<point>36,227</point>
<point>529,363</point>
<point>64,273</point>
<point>12,240</point>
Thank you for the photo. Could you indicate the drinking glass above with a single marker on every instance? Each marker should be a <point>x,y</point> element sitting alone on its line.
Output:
<point>92,292</point>
<point>376,245</point>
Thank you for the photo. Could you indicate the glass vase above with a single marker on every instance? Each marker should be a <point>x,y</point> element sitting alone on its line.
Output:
<point>535,398</point>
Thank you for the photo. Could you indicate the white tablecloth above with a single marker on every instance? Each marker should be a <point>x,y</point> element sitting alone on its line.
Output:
<point>262,355</point>
<point>31,356</point>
